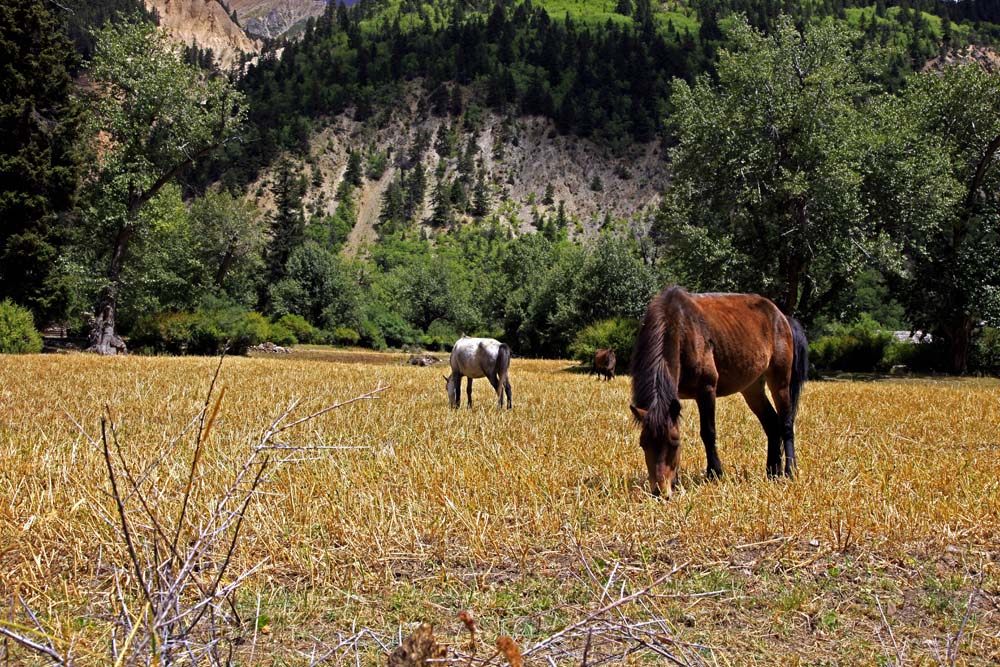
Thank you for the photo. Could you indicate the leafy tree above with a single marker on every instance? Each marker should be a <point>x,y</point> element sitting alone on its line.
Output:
<point>936,192</point>
<point>154,116</point>
<point>769,164</point>
<point>614,281</point>
<point>229,237</point>
<point>318,287</point>
<point>40,125</point>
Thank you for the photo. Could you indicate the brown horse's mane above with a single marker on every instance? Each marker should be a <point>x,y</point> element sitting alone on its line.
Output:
<point>653,389</point>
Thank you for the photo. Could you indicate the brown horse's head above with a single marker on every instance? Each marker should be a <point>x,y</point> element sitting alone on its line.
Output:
<point>661,442</point>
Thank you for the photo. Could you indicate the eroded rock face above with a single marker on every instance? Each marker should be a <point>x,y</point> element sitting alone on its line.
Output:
<point>984,56</point>
<point>272,18</point>
<point>205,23</point>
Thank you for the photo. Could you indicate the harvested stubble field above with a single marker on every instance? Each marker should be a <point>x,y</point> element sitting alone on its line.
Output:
<point>884,549</point>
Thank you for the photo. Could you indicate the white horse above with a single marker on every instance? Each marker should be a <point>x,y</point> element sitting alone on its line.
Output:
<point>476,358</point>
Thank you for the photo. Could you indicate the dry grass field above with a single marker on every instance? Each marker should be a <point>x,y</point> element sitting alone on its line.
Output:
<point>883,551</point>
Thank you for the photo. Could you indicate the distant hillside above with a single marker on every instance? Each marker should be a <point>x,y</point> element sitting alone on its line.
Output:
<point>204,23</point>
<point>273,18</point>
<point>521,161</point>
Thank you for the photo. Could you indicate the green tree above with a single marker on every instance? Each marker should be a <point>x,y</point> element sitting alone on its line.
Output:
<point>442,211</point>
<point>40,125</point>
<point>229,239</point>
<point>288,223</point>
<point>319,287</point>
<point>770,163</point>
<point>936,193</point>
<point>154,116</point>
<point>354,174</point>
<point>480,196</point>
<point>549,197</point>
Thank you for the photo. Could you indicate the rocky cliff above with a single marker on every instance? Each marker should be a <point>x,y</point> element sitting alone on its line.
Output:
<point>205,23</point>
<point>272,18</point>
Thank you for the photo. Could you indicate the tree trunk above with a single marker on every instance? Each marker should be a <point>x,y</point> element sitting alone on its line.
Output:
<point>104,339</point>
<point>224,265</point>
<point>959,339</point>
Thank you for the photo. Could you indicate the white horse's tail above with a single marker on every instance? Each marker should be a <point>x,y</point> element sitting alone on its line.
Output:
<point>503,362</point>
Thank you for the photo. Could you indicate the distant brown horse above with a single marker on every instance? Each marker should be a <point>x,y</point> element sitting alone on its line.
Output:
<point>703,346</point>
<point>604,364</point>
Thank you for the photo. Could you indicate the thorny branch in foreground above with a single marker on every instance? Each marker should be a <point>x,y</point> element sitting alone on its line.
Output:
<point>162,610</point>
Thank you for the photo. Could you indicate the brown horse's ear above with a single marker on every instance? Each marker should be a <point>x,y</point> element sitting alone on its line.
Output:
<point>638,413</point>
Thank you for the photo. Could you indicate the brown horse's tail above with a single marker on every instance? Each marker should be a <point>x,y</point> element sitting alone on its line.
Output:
<point>800,362</point>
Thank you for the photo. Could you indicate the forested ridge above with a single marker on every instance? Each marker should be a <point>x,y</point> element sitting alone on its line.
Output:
<point>809,159</point>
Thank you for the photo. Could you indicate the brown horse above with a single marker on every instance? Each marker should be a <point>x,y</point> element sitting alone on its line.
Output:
<point>704,346</point>
<point>604,364</point>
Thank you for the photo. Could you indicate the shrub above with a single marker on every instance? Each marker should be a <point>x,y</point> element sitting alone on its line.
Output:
<point>617,334</point>
<point>17,330</point>
<point>344,336</point>
<point>383,327</point>
<point>440,336</point>
<point>371,336</point>
<point>205,331</point>
<point>857,347</point>
<point>164,332</point>
<point>985,356</point>
<point>922,357</point>
<point>279,334</point>
<point>300,328</point>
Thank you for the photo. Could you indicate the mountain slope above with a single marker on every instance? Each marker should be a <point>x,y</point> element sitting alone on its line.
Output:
<point>205,23</point>
<point>520,159</point>
<point>273,18</point>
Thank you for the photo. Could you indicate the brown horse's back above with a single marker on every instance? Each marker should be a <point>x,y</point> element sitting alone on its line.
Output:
<point>748,335</point>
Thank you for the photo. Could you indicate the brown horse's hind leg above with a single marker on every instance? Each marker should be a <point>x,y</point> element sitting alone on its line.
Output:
<point>706,416</point>
<point>786,420</point>
<point>757,400</point>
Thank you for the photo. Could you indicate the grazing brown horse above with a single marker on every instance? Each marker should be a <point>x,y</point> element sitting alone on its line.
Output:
<point>704,346</point>
<point>604,364</point>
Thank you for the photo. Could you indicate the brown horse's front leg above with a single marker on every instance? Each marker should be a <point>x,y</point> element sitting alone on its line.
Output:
<point>706,414</point>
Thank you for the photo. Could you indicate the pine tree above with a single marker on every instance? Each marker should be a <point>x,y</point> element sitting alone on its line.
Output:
<point>481,196</point>
<point>442,214</point>
<point>288,223</point>
<point>416,189</point>
<point>549,197</point>
<point>459,197</point>
<point>393,211</point>
<point>467,161</point>
<point>40,124</point>
<point>354,175</point>
<point>561,220</point>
